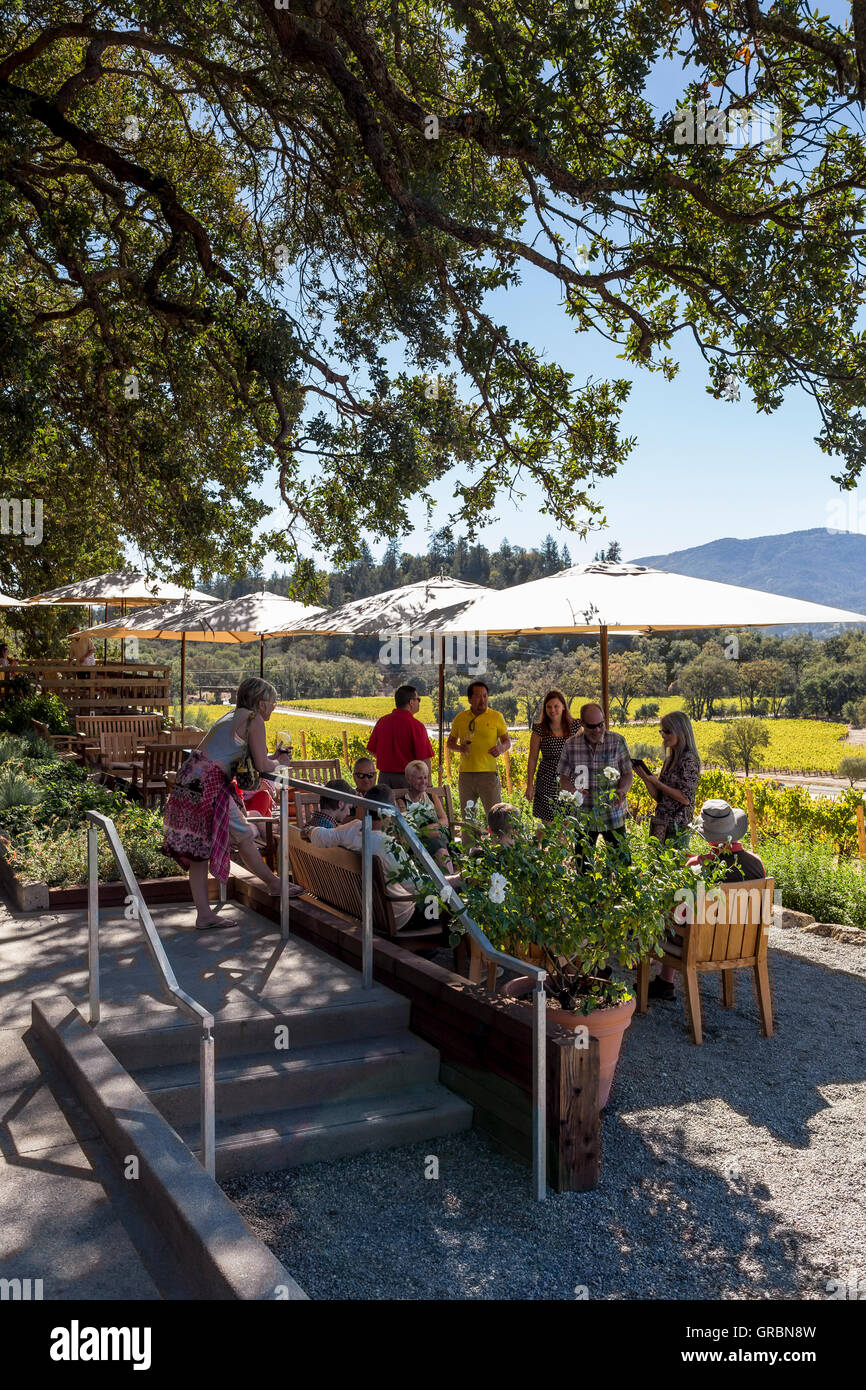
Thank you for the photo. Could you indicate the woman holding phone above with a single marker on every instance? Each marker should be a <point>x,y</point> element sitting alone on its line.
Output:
<point>676,785</point>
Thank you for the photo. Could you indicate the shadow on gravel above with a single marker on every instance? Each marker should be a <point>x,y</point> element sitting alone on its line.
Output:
<point>777,1082</point>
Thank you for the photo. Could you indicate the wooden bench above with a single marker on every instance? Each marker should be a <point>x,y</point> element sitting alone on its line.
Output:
<point>318,770</point>
<point>145,727</point>
<point>66,745</point>
<point>732,936</point>
<point>333,878</point>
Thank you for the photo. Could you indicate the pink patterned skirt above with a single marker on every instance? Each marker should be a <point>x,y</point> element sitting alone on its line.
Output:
<point>196,824</point>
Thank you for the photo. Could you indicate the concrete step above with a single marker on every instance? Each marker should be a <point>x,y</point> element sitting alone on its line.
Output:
<point>285,1138</point>
<point>303,1076</point>
<point>160,1037</point>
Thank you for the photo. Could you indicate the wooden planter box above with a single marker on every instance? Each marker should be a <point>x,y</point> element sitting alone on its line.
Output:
<point>485,1043</point>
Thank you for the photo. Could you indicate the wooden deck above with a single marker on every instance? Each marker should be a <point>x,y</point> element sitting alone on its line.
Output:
<point>108,688</point>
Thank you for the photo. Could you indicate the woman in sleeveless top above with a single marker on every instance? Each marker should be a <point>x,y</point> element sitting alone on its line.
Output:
<point>204,816</point>
<point>547,737</point>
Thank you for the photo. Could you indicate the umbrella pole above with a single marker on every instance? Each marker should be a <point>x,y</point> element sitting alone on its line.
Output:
<point>441,708</point>
<point>105,639</point>
<point>262,656</point>
<point>123,639</point>
<point>183,680</point>
<point>605,692</point>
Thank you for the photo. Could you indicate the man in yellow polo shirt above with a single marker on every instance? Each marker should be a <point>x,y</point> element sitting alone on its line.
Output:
<point>480,735</point>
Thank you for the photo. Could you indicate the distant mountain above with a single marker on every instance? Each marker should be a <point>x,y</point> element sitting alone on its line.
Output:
<point>824,566</point>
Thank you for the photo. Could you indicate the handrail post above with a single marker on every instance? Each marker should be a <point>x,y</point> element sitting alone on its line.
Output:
<point>539,1092</point>
<point>207,1087</point>
<point>93,920</point>
<point>367,901</point>
<point>284,861</point>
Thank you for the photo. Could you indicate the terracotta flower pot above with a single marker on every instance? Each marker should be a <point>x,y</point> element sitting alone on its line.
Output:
<point>608,1025</point>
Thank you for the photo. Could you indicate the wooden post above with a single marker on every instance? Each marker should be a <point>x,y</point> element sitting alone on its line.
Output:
<point>303,746</point>
<point>508,771</point>
<point>122,641</point>
<point>861,832</point>
<point>605,693</point>
<point>346,750</point>
<point>441,701</point>
<point>182,679</point>
<point>447,763</point>
<point>753,820</point>
<point>262,657</point>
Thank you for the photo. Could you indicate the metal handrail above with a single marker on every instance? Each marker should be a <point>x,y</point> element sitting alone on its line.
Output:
<point>458,909</point>
<point>156,951</point>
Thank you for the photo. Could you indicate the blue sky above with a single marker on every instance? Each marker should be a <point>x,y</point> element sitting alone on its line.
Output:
<point>701,469</point>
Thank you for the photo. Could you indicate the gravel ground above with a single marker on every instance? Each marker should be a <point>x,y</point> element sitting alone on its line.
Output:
<point>731,1171</point>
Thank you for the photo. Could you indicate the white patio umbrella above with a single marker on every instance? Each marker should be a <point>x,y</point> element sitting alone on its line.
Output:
<point>7,601</point>
<point>129,588</point>
<point>119,588</point>
<point>251,618</point>
<point>605,598</point>
<point>426,607</point>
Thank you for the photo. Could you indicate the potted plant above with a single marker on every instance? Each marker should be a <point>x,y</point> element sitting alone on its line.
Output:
<point>578,917</point>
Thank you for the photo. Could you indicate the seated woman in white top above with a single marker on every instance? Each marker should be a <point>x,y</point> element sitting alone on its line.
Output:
<point>426,815</point>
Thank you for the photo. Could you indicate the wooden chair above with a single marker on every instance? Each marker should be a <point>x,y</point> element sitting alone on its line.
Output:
<point>118,752</point>
<point>66,745</point>
<point>181,738</point>
<point>732,936</point>
<point>333,878</point>
<point>443,794</point>
<point>318,770</point>
<point>306,805</point>
<point>149,780</point>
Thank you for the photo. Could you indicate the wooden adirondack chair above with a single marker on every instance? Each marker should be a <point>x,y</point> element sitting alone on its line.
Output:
<point>118,752</point>
<point>732,936</point>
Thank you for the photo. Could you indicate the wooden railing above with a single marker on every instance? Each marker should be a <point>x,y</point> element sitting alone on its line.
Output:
<point>110,688</point>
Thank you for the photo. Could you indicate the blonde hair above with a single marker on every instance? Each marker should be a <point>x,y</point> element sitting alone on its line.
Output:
<point>252,690</point>
<point>678,723</point>
<point>416,765</point>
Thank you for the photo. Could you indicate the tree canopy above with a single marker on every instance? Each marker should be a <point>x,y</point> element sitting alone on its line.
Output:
<point>269,235</point>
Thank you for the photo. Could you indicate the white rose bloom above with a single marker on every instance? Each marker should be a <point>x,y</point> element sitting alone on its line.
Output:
<point>496,891</point>
<point>696,870</point>
<point>611,774</point>
<point>470,807</point>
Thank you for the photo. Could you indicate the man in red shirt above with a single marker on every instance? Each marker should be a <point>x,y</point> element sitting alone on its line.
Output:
<point>399,738</point>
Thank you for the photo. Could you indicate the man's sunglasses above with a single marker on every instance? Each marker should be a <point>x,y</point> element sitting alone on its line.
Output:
<point>364,776</point>
<point>599,725</point>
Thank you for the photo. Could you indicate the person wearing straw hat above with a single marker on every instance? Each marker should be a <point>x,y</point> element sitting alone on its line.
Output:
<point>723,827</point>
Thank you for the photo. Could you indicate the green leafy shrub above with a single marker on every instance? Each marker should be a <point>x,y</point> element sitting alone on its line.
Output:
<point>811,880</point>
<point>16,716</point>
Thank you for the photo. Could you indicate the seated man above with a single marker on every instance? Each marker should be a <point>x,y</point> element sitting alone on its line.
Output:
<point>331,811</point>
<point>364,774</point>
<point>348,836</point>
<point>722,826</point>
<point>502,821</point>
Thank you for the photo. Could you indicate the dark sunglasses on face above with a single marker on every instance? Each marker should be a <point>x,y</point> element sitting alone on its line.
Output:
<point>599,725</point>
<point>364,776</point>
